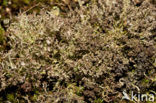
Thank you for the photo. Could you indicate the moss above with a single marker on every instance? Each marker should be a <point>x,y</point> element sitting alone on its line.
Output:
<point>1,99</point>
<point>154,63</point>
<point>11,98</point>
<point>105,46</point>
<point>99,100</point>
<point>34,98</point>
<point>145,81</point>
<point>1,35</point>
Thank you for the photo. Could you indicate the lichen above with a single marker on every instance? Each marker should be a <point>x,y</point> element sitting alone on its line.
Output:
<point>89,54</point>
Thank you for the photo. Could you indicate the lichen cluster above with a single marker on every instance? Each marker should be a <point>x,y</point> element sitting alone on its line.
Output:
<point>88,55</point>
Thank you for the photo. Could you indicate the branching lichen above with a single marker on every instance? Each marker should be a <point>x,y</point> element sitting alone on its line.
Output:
<point>89,54</point>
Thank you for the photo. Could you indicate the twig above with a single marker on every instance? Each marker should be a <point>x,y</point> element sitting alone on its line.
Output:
<point>31,8</point>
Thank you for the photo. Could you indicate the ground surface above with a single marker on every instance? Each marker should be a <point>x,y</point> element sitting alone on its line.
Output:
<point>87,53</point>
